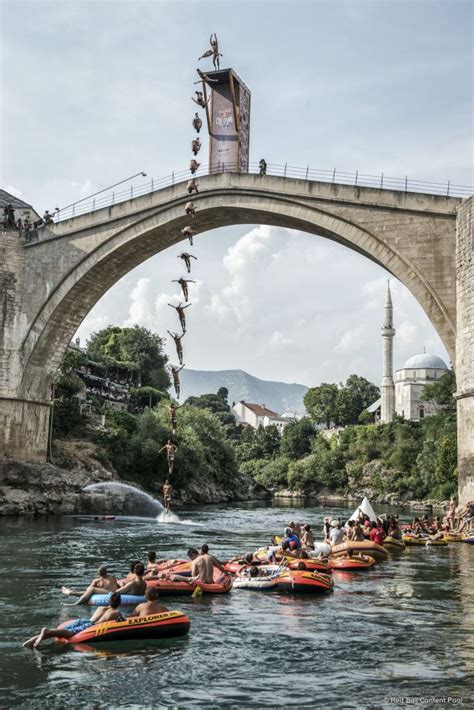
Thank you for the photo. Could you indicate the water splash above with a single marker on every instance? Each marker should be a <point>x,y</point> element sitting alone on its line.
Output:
<point>169,517</point>
<point>133,498</point>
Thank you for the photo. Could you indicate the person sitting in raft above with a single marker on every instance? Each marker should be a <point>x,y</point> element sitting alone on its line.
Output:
<point>102,614</point>
<point>291,536</point>
<point>131,576</point>
<point>102,584</point>
<point>295,528</point>
<point>394,530</point>
<point>326,527</point>
<point>336,536</point>
<point>358,533</point>
<point>350,530</point>
<point>137,585</point>
<point>202,567</point>
<point>152,564</point>
<point>307,539</point>
<point>377,533</point>
<point>151,606</point>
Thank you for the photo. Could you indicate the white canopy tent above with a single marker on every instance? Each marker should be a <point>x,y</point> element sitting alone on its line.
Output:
<point>365,508</point>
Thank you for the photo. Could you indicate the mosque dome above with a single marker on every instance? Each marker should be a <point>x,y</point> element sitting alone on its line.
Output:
<point>425,361</point>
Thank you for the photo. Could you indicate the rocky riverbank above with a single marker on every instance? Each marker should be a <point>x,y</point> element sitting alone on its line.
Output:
<point>46,489</point>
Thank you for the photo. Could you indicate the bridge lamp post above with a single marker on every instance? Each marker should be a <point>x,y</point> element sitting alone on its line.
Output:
<point>89,197</point>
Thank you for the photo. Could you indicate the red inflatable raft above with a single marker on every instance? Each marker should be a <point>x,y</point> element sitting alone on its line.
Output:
<point>352,563</point>
<point>303,581</point>
<point>156,626</point>
<point>167,588</point>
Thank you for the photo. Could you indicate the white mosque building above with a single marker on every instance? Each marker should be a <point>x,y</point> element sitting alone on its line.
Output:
<point>403,397</point>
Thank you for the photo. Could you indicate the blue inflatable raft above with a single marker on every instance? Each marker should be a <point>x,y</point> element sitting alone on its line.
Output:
<point>127,599</point>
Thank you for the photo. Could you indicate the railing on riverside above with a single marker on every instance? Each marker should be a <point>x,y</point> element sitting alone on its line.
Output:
<point>357,179</point>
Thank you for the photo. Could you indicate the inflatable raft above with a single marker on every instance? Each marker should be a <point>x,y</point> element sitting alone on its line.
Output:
<point>126,599</point>
<point>352,563</point>
<point>469,538</point>
<point>304,582</point>
<point>168,588</point>
<point>393,544</point>
<point>367,547</point>
<point>156,626</point>
<point>256,584</point>
<point>412,540</point>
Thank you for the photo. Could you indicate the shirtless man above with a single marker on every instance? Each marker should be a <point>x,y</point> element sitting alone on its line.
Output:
<point>307,538</point>
<point>192,186</point>
<point>190,210</point>
<point>194,166</point>
<point>184,287</point>
<point>188,232</point>
<point>186,257</point>
<point>200,100</point>
<point>213,52</point>
<point>179,347</point>
<point>167,495</point>
<point>102,614</point>
<point>180,311</point>
<point>173,418</point>
<point>197,123</point>
<point>151,606</point>
<point>195,146</point>
<point>204,78</point>
<point>135,586</point>
<point>451,512</point>
<point>170,449</point>
<point>152,564</point>
<point>102,584</point>
<point>175,375</point>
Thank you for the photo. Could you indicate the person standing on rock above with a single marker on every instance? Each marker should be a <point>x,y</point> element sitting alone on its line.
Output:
<point>170,449</point>
<point>184,287</point>
<point>181,314</point>
<point>186,257</point>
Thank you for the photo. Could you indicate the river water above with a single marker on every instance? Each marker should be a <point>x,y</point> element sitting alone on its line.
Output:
<point>403,628</point>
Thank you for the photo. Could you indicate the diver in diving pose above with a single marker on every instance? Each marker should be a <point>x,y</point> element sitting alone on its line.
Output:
<point>181,314</point>
<point>175,375</point>
<point>179,346</point>
<point>186,257</point>
<point>170,449</point>
<point>184,286</point>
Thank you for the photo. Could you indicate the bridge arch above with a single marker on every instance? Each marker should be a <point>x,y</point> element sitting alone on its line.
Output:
<point>110,258</point>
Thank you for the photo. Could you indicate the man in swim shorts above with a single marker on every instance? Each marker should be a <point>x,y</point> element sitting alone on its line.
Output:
<point>151,606</point>
<point>102,584</point>
<point>102,614</point>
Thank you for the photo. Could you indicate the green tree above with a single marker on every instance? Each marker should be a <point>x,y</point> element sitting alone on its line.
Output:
<point>320,403</point>
<point>297,438</point>
<point>355,396</point>
<point>218,405</point>
<point>132,348</point>
<point>442,391</point>
<point>261,443</point>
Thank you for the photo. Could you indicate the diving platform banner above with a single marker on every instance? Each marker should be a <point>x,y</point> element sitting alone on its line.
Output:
<point>228,122</point>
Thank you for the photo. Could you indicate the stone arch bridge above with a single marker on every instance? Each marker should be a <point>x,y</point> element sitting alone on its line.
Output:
<point>49,286</point>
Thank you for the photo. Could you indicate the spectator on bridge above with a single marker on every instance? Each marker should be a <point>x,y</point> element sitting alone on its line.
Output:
<point>192,186</point>
<point>27,224</point>
<point>194,166</point>
<point>48,218</point>
<point>19,224</point>
<point>263,166</point>
<point>9,217</point>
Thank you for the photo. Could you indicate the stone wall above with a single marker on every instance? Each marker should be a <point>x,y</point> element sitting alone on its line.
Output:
<point>465,349</point>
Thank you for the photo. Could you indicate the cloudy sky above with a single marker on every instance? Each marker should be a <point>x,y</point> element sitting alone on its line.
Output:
<point>96,91</point>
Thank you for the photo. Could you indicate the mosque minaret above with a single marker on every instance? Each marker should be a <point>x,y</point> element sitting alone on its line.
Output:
<point>387,412</point>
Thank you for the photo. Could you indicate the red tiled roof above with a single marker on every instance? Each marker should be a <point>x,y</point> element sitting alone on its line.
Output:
<point>260,410</point>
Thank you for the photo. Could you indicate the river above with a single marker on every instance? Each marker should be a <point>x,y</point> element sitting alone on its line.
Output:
<point>403,628</point>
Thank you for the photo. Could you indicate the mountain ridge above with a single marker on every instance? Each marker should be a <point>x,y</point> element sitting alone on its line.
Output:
<point>279,396</point>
